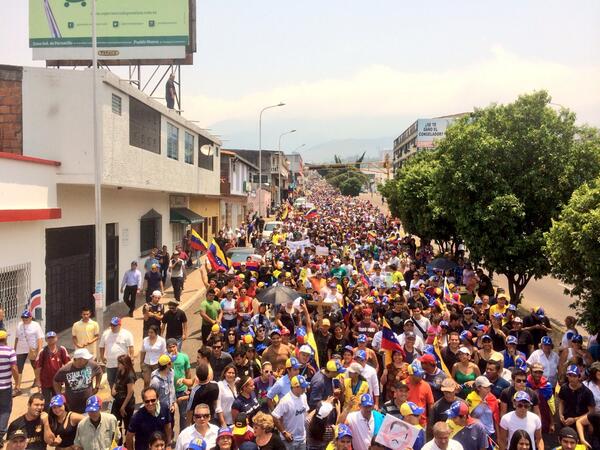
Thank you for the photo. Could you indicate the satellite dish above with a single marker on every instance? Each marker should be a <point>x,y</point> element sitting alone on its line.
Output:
<point>206,150</point>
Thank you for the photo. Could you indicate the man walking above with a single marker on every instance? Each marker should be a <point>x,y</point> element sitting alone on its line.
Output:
<point>97,430</point>
<point>28,343</point>
<point>81,377</point>
<point>32,423</point>
<point>86,332</point>
<point>8,369</point>
<point>131,285</point>
<point>147,420</point>
<point>48,363</point>
<point>174,323</point>
<point>521,419</point>
<point>290,414</point>
<point>115,341</point>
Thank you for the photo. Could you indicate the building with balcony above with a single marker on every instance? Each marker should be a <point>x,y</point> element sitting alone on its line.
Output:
<point>236,185</point>
<point>296,173</point>
<point>420,135</point>
<point>154,162</point>
<point>275,172</point>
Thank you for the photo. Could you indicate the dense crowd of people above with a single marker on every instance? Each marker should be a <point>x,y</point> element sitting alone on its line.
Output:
<point>368,344</point>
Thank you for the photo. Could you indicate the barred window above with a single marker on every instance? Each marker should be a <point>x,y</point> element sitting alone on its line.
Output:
<point>15,289</point>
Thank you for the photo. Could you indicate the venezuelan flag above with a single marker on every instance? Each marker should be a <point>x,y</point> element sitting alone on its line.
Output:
<point>285,212</point>
<point>197,243</point>
<point>221,261</point>
<point>372,235</point>
<point>311,214</point>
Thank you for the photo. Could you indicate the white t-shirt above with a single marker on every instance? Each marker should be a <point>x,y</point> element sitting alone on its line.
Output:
<point>291,410</point>
<point>596,391</point>
<point>115,345</point>
<point>28,335</point>
<point>424,323</point>
<point>153,351</point>
<point>370,375</point>
<point>190,433</point>
<point>550,364</point>
<point>452,445</point>
<point>225,400</point>
<point>228,307</point>
<point>511,422</point>
<point>362,430</point>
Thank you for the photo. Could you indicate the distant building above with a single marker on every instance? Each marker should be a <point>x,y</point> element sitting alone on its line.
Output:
<point>422,134</point>
<point>296,176</point>
<point>236,184</point>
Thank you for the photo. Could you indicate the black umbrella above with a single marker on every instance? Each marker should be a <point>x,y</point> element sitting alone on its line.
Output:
<point>277,295</point>
<point>442,264</point>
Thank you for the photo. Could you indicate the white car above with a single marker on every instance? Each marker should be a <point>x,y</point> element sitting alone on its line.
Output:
<point>300,201</point>
<point>269,227</point>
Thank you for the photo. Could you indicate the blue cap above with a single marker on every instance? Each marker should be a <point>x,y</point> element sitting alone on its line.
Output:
<point>466,335</point>
<point>293,363</point>
<point>343,431</point>
<point>512,307</point>
<point>457,408</point>
<point>485,336</point>
<point>197,444</point>
<point>93,404</point>
<point>547,340</point>
<point>411,409</point>
<point>478,301</point>
<point>57,400</point>
<point>570,335</point>
<point>366,400</point>
<point>361,354</point>
<point>275,330</point>
<point>520,363</point>
<point>25,314</point>
<point>522,396</point>
<point>120,447</point>
<point>115,321</point>
<point>348,348</point>
<point>512,340</point>
<point>540,312</point>
<point>50,334</point>
<point>415,369</point>
<point>577,338</point>
<point>573,370</point>
<point>299,381</point>
<point>361,338</point>
<point>498,316</point>
<point>444,323</point>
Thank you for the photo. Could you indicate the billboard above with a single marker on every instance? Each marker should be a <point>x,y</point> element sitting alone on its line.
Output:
<point>126,29</point>
<point>431,130</point>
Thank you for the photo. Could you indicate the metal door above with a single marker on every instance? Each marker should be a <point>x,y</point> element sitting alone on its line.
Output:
<point>112,264</point>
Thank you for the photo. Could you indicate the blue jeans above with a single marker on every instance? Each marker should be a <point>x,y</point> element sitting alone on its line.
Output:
<point>294,445</point>
<point>6,401</point>
<point>111,375</point>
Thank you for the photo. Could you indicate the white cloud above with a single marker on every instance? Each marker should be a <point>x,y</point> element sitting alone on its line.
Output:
<point>379,91</point>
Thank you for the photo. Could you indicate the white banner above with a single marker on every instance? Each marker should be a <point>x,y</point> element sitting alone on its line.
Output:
<point>321,251</point>
<point>396,434</point>
<point>295,245</point>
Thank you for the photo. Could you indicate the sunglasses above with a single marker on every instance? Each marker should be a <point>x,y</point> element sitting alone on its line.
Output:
<point>523,405</point>
<point>538,371</point>
<point>520,380</point>
<point>201,416</point>
<point>267,371</point>
<point>150,400</point>
<point>217,347</point>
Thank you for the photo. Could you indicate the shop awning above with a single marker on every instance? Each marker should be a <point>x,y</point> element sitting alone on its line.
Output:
<point>185,216</point>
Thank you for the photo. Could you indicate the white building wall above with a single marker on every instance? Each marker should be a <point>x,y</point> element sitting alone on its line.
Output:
<point>26,185</point>
<point>23,243</point>
<point>57,124</point>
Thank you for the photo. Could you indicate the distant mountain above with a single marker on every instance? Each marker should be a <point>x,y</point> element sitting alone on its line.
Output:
<point>346,149</point>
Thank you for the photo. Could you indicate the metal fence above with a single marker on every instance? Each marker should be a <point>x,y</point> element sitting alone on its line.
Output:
<point>15,289</point>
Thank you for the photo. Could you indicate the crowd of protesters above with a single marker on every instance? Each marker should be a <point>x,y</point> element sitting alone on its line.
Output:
<point>375,348</point>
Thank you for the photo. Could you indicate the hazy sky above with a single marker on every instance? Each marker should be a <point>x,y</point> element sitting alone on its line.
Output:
<point>367,69</point>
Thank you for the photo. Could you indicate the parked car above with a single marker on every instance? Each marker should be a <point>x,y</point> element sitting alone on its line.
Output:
<point>269,227</point>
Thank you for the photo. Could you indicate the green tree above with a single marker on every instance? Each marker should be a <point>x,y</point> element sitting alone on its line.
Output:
<point>411,198</point>
<point>506,171</point>
<point>573,248</point>
<point>351,186</point>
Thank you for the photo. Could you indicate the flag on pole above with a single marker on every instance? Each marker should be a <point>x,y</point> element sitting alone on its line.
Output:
<point>311,214</point>
<point>218,258</point>
<point>389,342</point>
<point>285,212</point>
<point>197,243</point>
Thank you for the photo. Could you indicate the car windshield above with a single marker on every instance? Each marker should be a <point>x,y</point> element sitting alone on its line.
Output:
<point>270,226</point>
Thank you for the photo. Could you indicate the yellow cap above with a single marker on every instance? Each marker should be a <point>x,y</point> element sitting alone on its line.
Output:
<point>216,327</point>
<point>248,339</point>
<point>242,276</point>
<point>261,284</point>
<point>3,334</point>
<point>164,360</point>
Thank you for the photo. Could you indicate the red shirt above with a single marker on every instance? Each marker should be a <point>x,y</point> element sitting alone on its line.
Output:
<point>50,363</point>
<point>421,395</point>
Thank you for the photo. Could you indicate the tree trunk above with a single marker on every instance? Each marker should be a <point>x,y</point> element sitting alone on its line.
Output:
<point>516,285</point>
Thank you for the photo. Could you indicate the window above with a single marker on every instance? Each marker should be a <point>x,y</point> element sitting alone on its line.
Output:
<point>144,126</point>
<point>150,231</point>
<point>205,161</point>
<point>14,291</point>
<point>172,141</point>
<point>116,104</point>
<point>189,148</point>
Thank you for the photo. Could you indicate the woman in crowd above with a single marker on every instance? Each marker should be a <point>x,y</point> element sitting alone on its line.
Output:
<point>61,426</point>
<point>153,346</point>
<point>122,391</point>
<point>263,430</point>
<point>227,393</point>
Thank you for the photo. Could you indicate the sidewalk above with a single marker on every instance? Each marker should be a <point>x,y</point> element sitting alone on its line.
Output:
<point>194,289</point>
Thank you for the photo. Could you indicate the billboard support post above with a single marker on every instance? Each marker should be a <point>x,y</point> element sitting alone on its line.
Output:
<point>100,302</point>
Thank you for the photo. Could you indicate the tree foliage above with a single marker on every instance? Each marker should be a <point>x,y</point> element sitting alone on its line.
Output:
<point>573,248</point>
<point>410,197</point>
<point>505,172</point>
<point>351,186</point>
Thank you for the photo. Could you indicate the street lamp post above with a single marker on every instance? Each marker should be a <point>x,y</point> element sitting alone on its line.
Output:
<point>260,153</point>
<point>279,163</point>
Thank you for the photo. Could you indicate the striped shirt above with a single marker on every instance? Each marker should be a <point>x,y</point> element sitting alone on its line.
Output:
<point>8,358</point>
